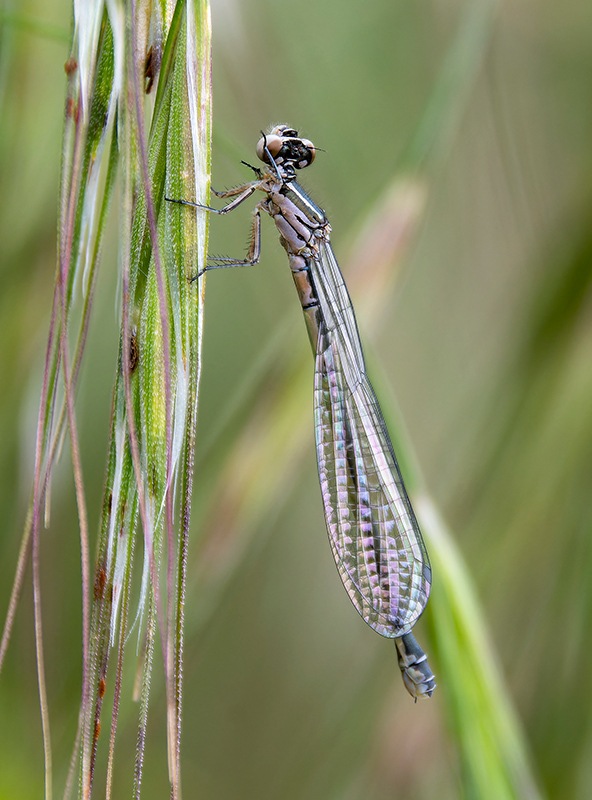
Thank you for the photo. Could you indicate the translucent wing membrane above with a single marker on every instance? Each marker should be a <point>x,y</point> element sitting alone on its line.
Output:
<point>372,529</point>
<point>337,314</point>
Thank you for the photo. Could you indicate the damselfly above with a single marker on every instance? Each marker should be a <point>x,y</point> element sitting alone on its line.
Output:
<point>373,532</point>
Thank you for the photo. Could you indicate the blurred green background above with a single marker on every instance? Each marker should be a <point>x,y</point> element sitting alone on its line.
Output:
<point>483,110</point>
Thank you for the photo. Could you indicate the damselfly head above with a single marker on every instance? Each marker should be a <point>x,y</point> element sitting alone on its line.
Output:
<point>284,146</point>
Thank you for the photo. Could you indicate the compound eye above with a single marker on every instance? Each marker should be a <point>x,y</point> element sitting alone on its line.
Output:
<point>310,153</point>
<point>274,145</point>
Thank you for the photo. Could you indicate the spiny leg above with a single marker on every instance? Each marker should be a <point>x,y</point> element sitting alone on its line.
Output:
<point>240,193</point>
<point>253,253</point>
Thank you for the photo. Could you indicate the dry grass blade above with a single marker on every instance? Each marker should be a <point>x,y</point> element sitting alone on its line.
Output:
<point>127,65</point>
<point>155,399</point>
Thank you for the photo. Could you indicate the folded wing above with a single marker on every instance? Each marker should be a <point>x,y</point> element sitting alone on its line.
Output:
<point>374,536</point>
